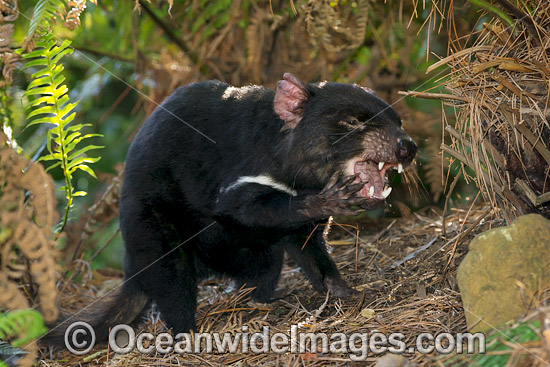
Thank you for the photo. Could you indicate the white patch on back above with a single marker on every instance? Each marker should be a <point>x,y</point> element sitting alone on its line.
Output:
<point>260,180</point>
<point>239,93</point>
<point>229,91</point>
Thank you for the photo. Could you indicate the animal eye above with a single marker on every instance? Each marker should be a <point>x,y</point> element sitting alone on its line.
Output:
<point>351,122</point>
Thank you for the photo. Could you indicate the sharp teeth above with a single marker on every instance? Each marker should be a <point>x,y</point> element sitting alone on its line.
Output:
<point>399,168</point>
<point>381,165</point>
<point>371,191</point>
<point>386,192</point>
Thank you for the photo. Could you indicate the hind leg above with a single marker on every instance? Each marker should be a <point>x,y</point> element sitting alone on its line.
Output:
<point>164,272</point>
<point>251,264</point>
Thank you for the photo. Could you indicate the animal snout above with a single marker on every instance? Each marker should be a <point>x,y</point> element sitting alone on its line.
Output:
<point>405,150</point>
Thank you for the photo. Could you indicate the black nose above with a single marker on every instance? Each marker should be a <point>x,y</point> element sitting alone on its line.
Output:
<point>405,150</point>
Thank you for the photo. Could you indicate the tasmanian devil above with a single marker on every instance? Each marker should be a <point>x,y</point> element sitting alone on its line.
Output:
<point>224,180</point>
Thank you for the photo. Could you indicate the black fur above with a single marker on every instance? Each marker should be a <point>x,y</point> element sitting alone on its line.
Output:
<point>181,217</point>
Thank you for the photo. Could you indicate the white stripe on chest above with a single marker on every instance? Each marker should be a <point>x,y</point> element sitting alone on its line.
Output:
<point>260,180</point>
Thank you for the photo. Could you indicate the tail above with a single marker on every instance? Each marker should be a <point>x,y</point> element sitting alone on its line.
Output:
<point>120,306</point>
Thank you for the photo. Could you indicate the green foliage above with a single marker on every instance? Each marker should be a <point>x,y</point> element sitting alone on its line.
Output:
<point>51,106</point>
<point>213,15</point>
<point>5,113</point>
<point>45,13</point>
<point>363,56</point>
<point>21,326</point>
<point>500,346</point>
<point>490,7</point>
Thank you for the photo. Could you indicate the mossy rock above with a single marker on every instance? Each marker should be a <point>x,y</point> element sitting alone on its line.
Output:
<point>503,269</point>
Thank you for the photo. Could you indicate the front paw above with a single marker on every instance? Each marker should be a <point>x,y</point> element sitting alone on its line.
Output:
<point>340,289</point>
<point>340,195</point>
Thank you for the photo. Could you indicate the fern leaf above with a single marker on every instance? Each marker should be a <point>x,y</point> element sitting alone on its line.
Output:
<point>22,326</point>
<point>83,150</point>
<point>55,165</point>
<point>52,106</point>
<point>44,99</point>
<point>71,144</point>
<point>73,165</point>
<point>87,169</point>
<point>45,13</point>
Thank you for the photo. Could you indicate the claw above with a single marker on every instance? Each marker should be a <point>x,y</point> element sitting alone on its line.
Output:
<point>333,180</point>
<point>348,179</point>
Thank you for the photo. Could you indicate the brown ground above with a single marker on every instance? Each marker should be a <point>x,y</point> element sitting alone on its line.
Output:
<point>414,296</point>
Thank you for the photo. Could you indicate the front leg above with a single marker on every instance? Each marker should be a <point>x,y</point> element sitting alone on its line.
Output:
<point>265,204</point>
<point>317,264</point>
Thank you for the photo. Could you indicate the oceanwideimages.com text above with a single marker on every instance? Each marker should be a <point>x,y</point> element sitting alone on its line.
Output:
<point>80,339</point>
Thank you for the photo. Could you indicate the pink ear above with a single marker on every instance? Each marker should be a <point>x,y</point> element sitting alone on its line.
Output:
<point>289,99</point>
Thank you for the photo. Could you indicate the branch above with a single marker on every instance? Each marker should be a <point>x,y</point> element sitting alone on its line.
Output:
<point>100,53</point>
<point>522,17</point>
<point>177,40</point>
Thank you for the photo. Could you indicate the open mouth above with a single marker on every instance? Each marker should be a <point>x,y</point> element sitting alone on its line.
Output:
<point>373,174</point>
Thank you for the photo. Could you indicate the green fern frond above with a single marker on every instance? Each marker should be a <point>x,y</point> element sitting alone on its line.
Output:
<point>45,13</point>
<point>52,106</point>
<point>21,326</point>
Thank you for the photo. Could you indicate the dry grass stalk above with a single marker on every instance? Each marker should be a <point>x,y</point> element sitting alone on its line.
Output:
<point>500,92</point>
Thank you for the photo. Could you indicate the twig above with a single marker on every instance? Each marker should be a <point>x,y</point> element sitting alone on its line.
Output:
<point>458,54</point>
<point>427,95</point>
<point>414,253</point>
<point>177,40</point>
<point>449,193</point>
<point>524,130</point>
<point>101,53</point>
<point>320,310</point>
<point>104,246</point>
<point>461,157</point>
<point>236,309</point>
<point>310,234</point>
<point>95,355</point>
<point>464,234</point>
<point>541,199</point>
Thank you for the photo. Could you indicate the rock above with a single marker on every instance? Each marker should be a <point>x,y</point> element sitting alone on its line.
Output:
<point>393,360</point>
<point>500,262</point>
